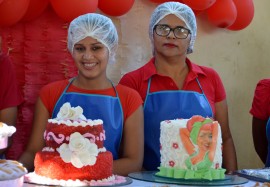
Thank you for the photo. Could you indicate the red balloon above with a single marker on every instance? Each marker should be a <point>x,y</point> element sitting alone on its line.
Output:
<point>12,11</point>
<point>222,13</point>
<point>116,7</point>
<point>1,1</point>
<point>197,12</point>
<point>245,14</point>
<point>35,9</point>
<point>199,4</point>
<point>163,1</point>
<point>70,9</point>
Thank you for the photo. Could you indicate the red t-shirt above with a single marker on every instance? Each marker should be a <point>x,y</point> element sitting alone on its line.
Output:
<point>129,98</point>
<point>208,78</point>
<point>261,101</point>
<point>10,95</point>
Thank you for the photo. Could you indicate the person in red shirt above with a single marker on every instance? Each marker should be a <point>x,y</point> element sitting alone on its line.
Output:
<point>92,42</point>
<point>10,95</point>
<point>172,86</point>
<point>260,110</point>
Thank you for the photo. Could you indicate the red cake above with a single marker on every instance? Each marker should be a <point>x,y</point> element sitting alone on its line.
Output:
<point>74,149</point>
<point>49,163</point>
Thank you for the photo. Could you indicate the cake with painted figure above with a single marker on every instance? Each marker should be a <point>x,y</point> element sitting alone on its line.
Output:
<point>191,149</point>
<point>74,144</point>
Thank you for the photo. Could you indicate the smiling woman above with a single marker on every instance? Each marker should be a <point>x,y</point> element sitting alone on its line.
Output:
<point>91,59</point>
<point>92,42</point>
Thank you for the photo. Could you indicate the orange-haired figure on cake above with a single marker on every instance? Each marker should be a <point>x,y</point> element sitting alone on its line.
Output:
<point>117,109</point>
<point>200,141</point>
<point>202,135</point>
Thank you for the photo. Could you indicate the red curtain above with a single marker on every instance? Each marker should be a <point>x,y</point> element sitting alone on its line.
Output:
<point>39,54</point>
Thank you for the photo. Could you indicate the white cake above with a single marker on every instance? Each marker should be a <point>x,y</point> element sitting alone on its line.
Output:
<point>176,162</point>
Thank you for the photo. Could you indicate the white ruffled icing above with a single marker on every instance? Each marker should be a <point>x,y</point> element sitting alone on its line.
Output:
<point>171,144</point>
<point>102,150</point>
<point>82,123</point>
<point>48,149</point>
<point>37,179</point>
<point>10,170</point>
<point>5,130</point>
<point>73,116</point>
<point>172,148</point>
<point>79,152</point>
<point>218,154</point>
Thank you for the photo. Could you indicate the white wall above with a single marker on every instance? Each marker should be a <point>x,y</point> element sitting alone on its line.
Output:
<point>240,58</point>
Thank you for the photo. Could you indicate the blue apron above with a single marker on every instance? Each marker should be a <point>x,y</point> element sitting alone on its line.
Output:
<point>167,105</point>
<point>267,164</point>
<point>106,108</point>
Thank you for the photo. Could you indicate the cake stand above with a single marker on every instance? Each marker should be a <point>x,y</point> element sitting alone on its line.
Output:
<point>32,178</point>
<point>151,177</point>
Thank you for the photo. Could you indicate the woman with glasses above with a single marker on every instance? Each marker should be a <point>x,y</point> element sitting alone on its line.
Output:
<point>174,87</point>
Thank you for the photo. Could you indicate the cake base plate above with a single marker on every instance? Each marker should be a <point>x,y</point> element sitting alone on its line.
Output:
<point>151,177</point>
<point>33,178</point>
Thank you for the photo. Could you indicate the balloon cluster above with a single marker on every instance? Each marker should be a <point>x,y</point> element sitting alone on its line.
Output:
<point>13,11</point>
<point>229,14</point>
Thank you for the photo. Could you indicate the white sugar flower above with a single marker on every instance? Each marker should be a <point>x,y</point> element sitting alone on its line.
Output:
<point>77,113</point>
<point>79,152</point>
<point>72,113</point>
<point>64,112</point>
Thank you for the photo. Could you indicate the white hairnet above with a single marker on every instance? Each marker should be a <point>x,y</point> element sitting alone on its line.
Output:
<point>180,10</point>
<point>96,26</point>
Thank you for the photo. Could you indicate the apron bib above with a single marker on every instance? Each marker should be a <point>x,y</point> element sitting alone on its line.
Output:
<point>267,164</point>
<point>167,105</point>
<point>106,108</point>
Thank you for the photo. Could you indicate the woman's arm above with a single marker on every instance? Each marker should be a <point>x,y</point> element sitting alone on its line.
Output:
<point>36,141</point>
<point>184,135</point>
<point>259,137</point>
<point>132,144</point>
<point>229,154</point>
<point>9,116</point>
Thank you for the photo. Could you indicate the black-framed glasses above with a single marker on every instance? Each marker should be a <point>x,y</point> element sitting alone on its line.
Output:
<point>179,31</point>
